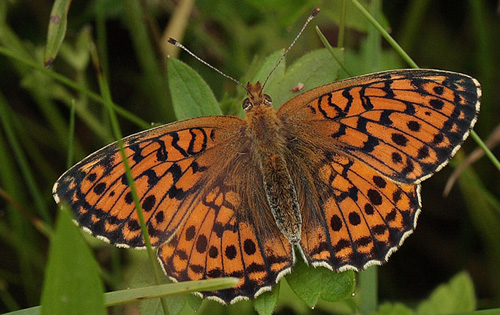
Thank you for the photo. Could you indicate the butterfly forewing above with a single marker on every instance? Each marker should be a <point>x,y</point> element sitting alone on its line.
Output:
<point>406,124</point>
<point>169,164</point>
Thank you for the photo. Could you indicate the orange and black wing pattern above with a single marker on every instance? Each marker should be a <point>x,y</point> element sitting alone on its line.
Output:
<point>406,124</point>
<point>228,237</point>
<point>202,204</point>
<point>366,143</point>
<point>169,165</point>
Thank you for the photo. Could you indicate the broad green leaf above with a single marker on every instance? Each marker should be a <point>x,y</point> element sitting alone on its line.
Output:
<point>191,96</point>
<point>265,69</point>
<point>194,302</point>
<point>394,309</point>
<point>142,277</point>
<point>177,304</point>
<point>72,284</point>
<point>266,302</point>
<point>314,69</point>
<point>310,283</point>
<point>57,30</point>
<point>456,296</point>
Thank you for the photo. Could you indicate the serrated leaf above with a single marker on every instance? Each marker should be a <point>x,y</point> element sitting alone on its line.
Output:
<point>194,302</point>
<point>310,284</point>
<point>191,95</point>
<point>314,69</point>
<point>144,276</point>
<point>456,296</point>
<point>266,302</point>
<point>72,284</point>
<point>179,299</point>
<point>176,303</point>
<point>57,30</point>
<point>394,309</point>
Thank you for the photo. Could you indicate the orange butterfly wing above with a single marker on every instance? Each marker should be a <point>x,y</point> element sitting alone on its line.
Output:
<point>203,206</point>
<point>406,124</point>
<point>358,149</point>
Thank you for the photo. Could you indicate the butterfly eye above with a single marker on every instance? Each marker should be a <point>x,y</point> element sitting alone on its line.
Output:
<point>246,104</point>
<point>269,100</point>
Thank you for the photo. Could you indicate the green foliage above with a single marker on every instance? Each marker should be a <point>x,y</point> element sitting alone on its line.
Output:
<point>315,68</point>
<point>72,284</point>
<point>57,30</point>
<point>245,39</point>
<point>191,96</point>
<point>311,284</point>
<point>456,296</point>
<point>266,302</point>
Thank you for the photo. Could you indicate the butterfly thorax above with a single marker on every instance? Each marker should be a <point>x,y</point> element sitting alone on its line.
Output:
<point>268,143</point>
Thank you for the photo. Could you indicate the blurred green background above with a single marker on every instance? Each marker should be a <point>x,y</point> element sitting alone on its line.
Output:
<point>456,233</point>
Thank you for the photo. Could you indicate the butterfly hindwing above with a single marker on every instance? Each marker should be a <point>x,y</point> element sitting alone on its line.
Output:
<point>361,217</point>
<point>230,232</point>
<point>216,243</point>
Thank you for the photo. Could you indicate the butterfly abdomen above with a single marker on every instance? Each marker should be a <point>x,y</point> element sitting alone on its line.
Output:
<point>282,197</point>
<point>266,132</point>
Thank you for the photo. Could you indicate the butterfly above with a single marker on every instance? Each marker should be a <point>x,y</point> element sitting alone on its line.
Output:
<point>335,172</point>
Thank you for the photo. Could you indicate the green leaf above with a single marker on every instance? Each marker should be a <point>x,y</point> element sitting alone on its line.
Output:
<point>453,297</point>
<point>179,299</point>
<point>143,276</point>
<point>312,283</point>
<point>266,302</point>
<point>265,69</point>
<point>191,95</point>
<point>314,69</point>
<point>72,284</point>
<point>57,30</point>
<point>177,304</point>
<point>394,309</point>
<point>194,301</point>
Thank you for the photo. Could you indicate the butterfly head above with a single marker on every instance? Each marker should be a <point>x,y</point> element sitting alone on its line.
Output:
<point>255,97</point>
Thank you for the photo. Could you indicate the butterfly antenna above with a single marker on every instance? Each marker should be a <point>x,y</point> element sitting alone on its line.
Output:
<point>312,16</point>
<point>176,43</point>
